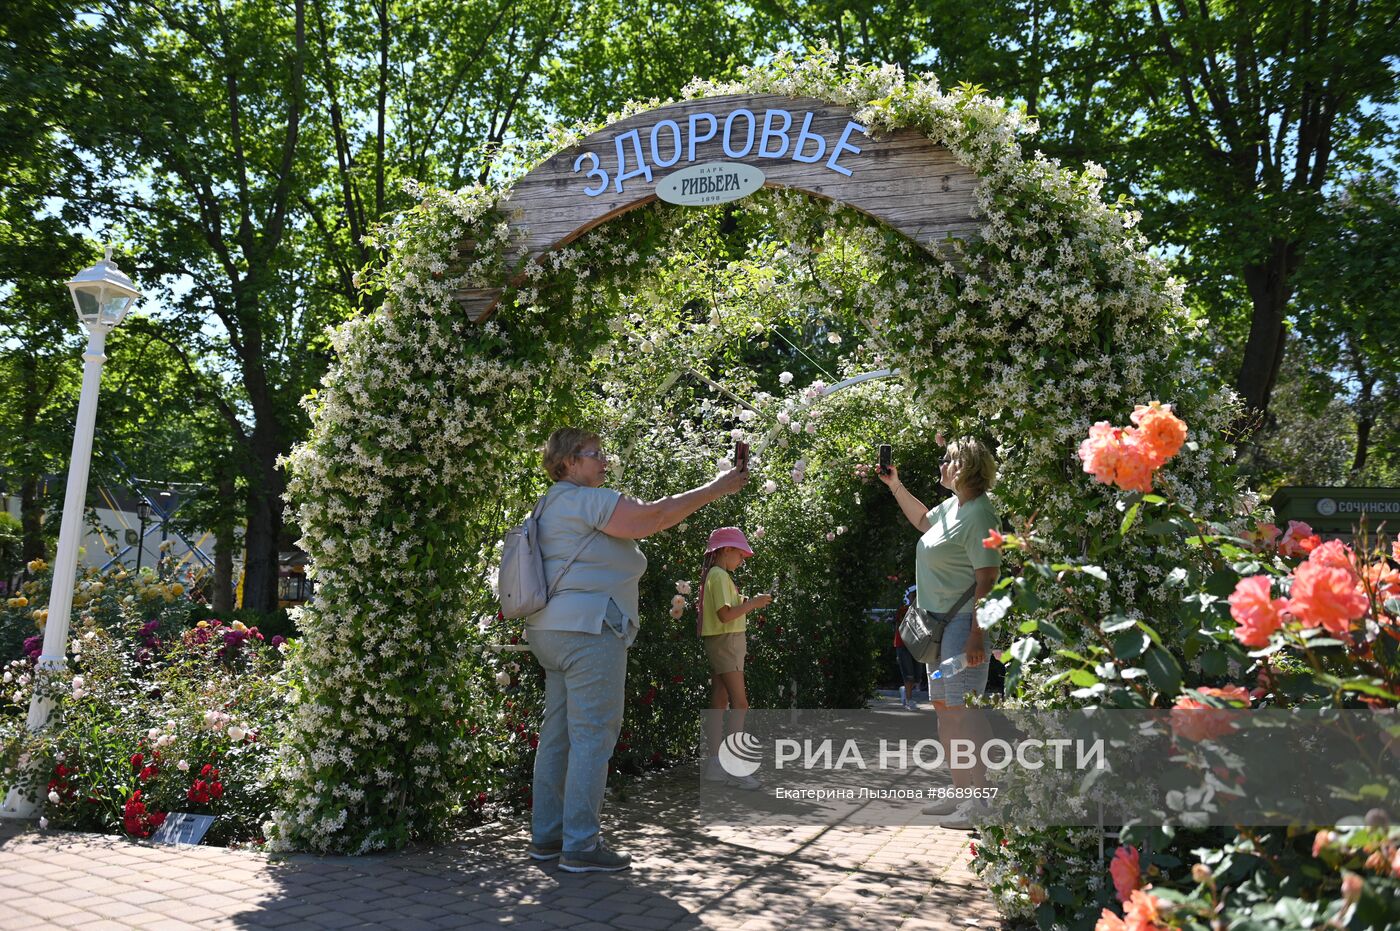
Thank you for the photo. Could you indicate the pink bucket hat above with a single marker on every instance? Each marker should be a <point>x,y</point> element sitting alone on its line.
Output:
<point>728,536</point>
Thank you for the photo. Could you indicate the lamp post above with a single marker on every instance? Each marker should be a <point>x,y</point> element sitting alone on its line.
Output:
<point>143,514</point>
<point>102,295</point>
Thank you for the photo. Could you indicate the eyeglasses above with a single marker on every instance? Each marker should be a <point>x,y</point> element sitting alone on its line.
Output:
<point>595,454</point>
<point>945,461</point>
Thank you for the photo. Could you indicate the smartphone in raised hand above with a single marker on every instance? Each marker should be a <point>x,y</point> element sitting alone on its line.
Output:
<point>885,458</point>
<point>741,456</point>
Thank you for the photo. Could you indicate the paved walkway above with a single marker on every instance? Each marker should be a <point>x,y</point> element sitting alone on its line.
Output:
<point>755,878</point>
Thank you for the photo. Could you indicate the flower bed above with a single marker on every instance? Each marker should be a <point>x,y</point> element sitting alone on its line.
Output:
<point>152,715</point>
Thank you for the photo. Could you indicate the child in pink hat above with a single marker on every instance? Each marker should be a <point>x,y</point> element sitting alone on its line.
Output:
<point>721,625</point>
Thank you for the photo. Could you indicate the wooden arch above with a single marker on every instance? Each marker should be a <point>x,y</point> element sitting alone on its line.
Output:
<point>799,143</point>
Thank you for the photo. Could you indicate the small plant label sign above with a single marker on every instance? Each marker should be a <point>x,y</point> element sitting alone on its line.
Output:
<point>181,827</point>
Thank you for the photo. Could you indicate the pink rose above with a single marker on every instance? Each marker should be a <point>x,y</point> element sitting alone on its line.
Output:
<point>1100,451</point>
<point>1257,615</point>
<point>1298,540</point>
<point>1126,870</point>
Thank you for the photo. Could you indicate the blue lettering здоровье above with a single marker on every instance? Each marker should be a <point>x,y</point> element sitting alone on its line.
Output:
<point>773,135</point>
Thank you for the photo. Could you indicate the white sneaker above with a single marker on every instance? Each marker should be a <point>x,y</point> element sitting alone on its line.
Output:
<point>714,772</point>
<point>969,814</point>
<point>744,782</point>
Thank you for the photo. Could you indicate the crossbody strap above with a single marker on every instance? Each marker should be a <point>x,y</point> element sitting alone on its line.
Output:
<point>948,615</point>
<point>559,577</point>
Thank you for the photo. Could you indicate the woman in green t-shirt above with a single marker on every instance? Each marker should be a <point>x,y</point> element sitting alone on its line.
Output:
<point>950,562</point>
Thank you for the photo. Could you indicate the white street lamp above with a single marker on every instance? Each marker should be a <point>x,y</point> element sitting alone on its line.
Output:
<point>102,296</point>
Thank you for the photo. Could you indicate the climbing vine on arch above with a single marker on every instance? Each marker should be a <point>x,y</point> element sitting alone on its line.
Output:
<point>423,430</point>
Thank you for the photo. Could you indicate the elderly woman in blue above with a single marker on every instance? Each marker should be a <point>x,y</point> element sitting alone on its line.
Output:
<point>953,571</point>
<point>580,638</point>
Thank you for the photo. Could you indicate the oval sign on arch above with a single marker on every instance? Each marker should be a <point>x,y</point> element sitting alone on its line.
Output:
<point>710,183</point>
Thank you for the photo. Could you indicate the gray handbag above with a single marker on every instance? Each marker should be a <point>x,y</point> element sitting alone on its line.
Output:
<point>922,631</point>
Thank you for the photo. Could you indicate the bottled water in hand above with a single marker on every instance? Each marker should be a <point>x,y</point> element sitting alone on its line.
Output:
<point>951,666</point>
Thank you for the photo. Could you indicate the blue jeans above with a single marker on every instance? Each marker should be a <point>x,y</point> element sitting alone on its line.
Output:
<point>584,686</point>
<point>953,690</point>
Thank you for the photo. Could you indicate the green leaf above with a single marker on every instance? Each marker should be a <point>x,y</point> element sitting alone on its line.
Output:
<point>1164,671</point>
<point>1054,631</point>
<point>1373,687</point>
<point>1214,662</point>
<point>1128,519</point>
<point>1083,678</point>
<point>1130,644</point>
<point>1150,631</point>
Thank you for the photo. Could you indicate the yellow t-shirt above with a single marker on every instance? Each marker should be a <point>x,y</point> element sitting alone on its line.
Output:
<point>720,593</point>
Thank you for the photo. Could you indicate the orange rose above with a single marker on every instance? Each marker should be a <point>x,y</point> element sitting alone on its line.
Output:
<point>1325,596</point>
<point>1196,721</point>
<point>1162,432</point>
<point>1336,554</point>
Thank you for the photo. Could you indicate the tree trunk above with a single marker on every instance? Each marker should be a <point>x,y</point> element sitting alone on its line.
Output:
<point>1270,288</point>
<point>224,543</point>
<point>264,530</point>
<point>1365,420</point>
<point>31,518</point>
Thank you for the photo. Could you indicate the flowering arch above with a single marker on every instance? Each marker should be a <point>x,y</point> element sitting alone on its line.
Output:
<point>1055,311</point>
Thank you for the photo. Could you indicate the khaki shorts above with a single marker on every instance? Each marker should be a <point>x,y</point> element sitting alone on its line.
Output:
<point>726,651</point>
